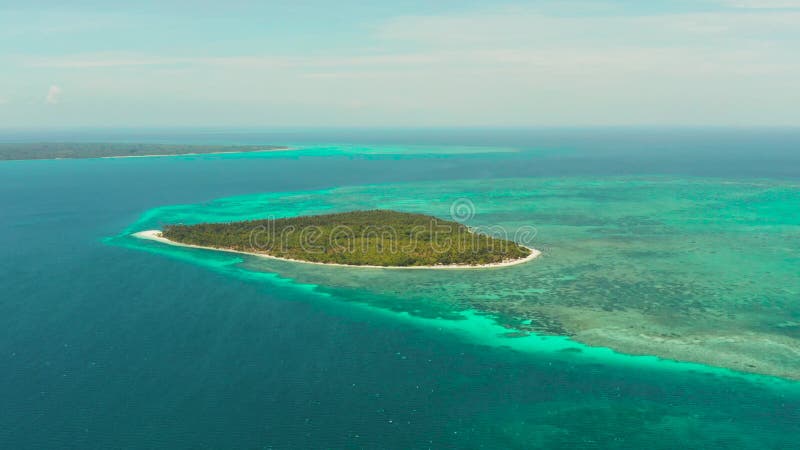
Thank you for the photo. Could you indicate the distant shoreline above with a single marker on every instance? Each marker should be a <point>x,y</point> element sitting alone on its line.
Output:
<point>155,235</point>
<point>30,151</point>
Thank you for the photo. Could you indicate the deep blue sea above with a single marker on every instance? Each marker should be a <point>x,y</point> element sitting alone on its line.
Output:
<point>104,346</point>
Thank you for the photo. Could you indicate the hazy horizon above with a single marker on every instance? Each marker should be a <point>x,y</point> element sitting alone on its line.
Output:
<point>704,63</point>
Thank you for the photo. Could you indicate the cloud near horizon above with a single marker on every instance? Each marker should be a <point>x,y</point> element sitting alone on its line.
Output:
<point>53,95</point>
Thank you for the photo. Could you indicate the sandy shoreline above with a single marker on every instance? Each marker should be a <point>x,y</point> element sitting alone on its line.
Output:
<point>155,235</point>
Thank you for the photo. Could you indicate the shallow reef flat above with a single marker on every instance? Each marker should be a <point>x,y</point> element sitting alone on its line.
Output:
<point>691,269</point>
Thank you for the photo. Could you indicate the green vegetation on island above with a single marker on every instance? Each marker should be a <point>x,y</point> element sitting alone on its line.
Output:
<point>376,238</point>
<point>76,150</point>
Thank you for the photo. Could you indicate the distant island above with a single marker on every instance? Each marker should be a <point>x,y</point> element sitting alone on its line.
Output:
<point>376,238</point>
<point>76,150</point>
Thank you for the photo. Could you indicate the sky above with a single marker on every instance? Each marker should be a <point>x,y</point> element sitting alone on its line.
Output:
<point>404,63</point>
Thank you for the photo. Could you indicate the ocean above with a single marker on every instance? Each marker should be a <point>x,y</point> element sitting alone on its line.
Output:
<point>674,243</point>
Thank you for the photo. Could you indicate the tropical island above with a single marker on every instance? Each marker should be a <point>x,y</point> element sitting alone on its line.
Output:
<point>375,238</point>
<point>82,150</point>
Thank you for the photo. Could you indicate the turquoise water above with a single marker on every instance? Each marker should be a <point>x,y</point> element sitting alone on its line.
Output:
<point>696,259</point>
<point>110,341</point>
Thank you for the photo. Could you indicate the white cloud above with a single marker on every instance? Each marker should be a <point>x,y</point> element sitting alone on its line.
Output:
<point>121,60</point>
<point>111,60</point>
<point>763,4</point>
<point>526,28</point>
<point>53,95</point>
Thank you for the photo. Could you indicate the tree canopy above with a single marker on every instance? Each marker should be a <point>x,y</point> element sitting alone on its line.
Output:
<point>376,237</point>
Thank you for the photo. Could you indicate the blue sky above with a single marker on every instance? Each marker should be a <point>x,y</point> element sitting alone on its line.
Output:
<point>402,63</point>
